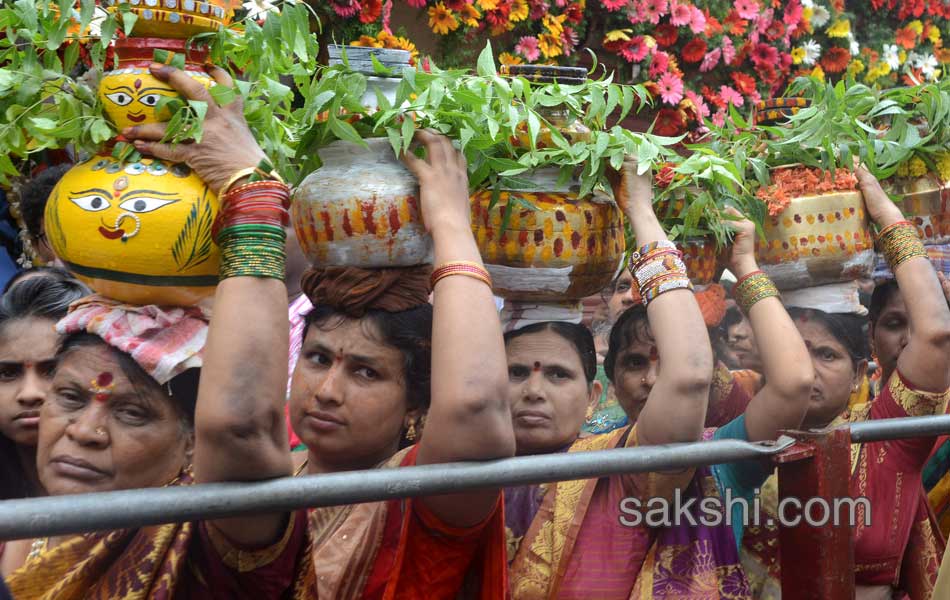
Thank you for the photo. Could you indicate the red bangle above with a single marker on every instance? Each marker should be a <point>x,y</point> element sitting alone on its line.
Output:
<point>461,267</point>
<point>749,274</point>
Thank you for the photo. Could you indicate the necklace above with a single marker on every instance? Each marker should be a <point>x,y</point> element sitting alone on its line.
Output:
<point>38,547</point>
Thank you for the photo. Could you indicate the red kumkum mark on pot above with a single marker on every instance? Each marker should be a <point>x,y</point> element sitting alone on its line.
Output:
<point>347,226</point>
<point>559,215</point>
<point>413,207</point>
<point>327,224</point>
<point>394,223</point>
<point>575,240</point>
<point>588,217</point>
<point>591,244</point>
<point>558,246</point>
<point>523,238</point>
<point>369,216</point>
<point>538,237</point>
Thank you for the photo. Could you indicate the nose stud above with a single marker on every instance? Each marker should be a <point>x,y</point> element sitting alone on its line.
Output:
<point>135,218</point>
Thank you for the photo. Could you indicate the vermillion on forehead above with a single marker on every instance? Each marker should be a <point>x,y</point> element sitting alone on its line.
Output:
<point>83,369</point>
<point>28,340</point>
<point>354,340</point>
<point>544,349</point>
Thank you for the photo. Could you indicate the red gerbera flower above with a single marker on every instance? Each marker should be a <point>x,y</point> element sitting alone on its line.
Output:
<point>694,50</point>
<point>575,13</point>
<point>735,24</point>
<point>669,122</point>
<point>744,83</point>
<point>665,35</point>
<point>906,38</point>
<point>713,26</point>
<point>764,54</point>
<point>835,60</point>
<point>455,5</point>
<point>371,10</point>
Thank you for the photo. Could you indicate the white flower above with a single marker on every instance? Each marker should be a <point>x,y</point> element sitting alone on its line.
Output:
<point>808,3</point>
<point>820,17</point>
<point>892,56</point>
<point>928,66</point>
<point>812,52</point>
<point>915,60</point>
<point>258,9</point>
<point>855,47</point>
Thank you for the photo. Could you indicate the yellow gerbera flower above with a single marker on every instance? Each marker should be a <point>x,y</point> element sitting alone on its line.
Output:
<point>519,11</point>
<point>934,36</point>
<point>840,29</point>
<point>818,73</point>
<point>367,41</point>
<point>469,15</point>
<point>507,58</point>
<point>916,26</point>
<point>855,67</point>
<point>488,4</point>
<point>550,45</point>
<point>442,20</point>
<point>617,35</point>
<point>553,24</point>
<point>798,55</point>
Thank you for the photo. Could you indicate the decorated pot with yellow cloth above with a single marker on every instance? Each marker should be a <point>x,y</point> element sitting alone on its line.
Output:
<point>925,202</point>
<point>360,209</point>
<point>818,240</point>
<point>180,19</point>
<point>130,94</point>
<point>554,247</point>
<point>136,232</point>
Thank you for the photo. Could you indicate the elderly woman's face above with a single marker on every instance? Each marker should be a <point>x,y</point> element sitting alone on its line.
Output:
<point>98,432</point>
<point>348,398</point>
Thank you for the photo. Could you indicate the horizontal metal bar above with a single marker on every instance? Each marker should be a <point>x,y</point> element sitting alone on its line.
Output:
<point>59,515</point>
<point>895,429</point>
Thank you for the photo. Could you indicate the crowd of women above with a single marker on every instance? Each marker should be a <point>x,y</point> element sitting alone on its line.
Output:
<point>398,367</point>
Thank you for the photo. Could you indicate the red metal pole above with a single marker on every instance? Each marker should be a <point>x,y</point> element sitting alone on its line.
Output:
<point>817,561</point>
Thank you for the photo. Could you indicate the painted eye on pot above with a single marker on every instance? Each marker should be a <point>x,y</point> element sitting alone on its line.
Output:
<point>150,100</point>
<point>120,98</point>
<point>91,203</point>
<point>144,205</point>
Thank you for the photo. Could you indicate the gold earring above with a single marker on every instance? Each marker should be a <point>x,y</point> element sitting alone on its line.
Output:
<point>411,431</point>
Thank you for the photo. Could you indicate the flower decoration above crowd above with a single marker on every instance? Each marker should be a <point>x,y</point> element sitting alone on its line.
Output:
<point>697,57</point>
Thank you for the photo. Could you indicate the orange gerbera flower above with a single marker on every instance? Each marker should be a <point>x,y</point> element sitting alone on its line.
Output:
<point>507,58</point>
<point>550,45</point>
<point>442,20</point>
<point>488,4</point>
<point>469,15</point>
<point>835,60</point>
<point>906,38</point>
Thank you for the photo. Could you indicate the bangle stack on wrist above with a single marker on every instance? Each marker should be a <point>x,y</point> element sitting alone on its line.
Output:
<point>460,267</point>
<point>899,243</point>
<point>753,287</point>
<point>658,268</point>
<point>250,229</point>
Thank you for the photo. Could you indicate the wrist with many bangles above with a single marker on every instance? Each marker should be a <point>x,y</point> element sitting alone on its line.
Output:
<point>753,287</point>
<point>899,242</point>
<point>464,268</point>
<point>658,268</point>
<point>250,224</point>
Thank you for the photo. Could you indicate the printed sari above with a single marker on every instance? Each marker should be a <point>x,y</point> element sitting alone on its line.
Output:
<point>577,547</point>
<point>181,561</point>
<point>902,546</point>
<point>399,550</point>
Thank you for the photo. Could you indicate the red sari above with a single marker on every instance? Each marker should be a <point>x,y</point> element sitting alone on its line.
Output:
<point>902,546</point>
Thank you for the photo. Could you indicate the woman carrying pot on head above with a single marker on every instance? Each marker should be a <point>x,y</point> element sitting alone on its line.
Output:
<point>126,410</point>
<point>565,540</point>
<point>896,548</point>
<point>28,341</point>
<point>376,359</point>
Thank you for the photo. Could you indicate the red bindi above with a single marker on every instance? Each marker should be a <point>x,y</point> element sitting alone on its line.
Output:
<point>654,355</point>
<point>537,367</point>
<point>101,386</point>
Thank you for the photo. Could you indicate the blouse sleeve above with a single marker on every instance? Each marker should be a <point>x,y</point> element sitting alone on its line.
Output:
<point>899,398</point>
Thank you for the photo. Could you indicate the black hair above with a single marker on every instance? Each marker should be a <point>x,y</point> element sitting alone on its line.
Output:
<point>46,293</point>
<point>182,389</point>
<point>631,326</point>
<point>409,331</point>
<point>880,297</point>
<point>848,329</point>
<point>579,336</point>
<point>35,193</point>
<point>732,318</point>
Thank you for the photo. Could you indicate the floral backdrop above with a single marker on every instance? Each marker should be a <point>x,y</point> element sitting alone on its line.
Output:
<point>697,58</point>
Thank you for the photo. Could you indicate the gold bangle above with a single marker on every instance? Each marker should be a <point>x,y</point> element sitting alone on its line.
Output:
<point>234,179</point>
<point>448,274</point>
<point>460,267</point>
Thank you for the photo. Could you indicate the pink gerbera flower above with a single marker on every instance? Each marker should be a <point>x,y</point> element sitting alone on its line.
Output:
<point>671,88</point>
<point>719,119</point>
<point>680,14</point>
<point>697,23</point>
<point>747,9</point>
<point>614,5</point>
<point>710,61</point>
<point>528,47</point>
<point>702,109</point>
<point>763,54</point>
<point>730,95</point>
<point>346,8</point>
<point>793,13</point>
<point>653,10</point>
<point>635,50</point>
<point>728,50</point>
<point>659,65</point>
<point>417,3</point>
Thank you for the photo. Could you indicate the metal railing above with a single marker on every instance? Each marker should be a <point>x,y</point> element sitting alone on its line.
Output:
<point>59,515</point>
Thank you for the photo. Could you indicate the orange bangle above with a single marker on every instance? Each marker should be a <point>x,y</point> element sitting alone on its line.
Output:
<point>460,267</point>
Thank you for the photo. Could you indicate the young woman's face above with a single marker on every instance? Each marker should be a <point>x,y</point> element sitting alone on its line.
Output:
<point>741,341</point>
<point>27,353</point>
<point>98,432</point>
<point>836,376</point>
<point>622,297</point>
<point>548,391</point>
<point>636,368</point>
<point>890,333</point>
<point>348,398</point>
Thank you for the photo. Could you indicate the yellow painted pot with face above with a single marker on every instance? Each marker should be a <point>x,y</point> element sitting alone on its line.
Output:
<point>175,18</point>
<point>136,232</point>
<point>130,94</point>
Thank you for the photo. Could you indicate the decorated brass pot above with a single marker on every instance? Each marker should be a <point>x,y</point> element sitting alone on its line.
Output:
<point>139,232</point>
<point>701,258</point>
<point>567,249</point>
<point>130,93</point>
<point>360,209</point>
<point>818,240</point>
<point>180,19</point>
<point>925,202</point>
